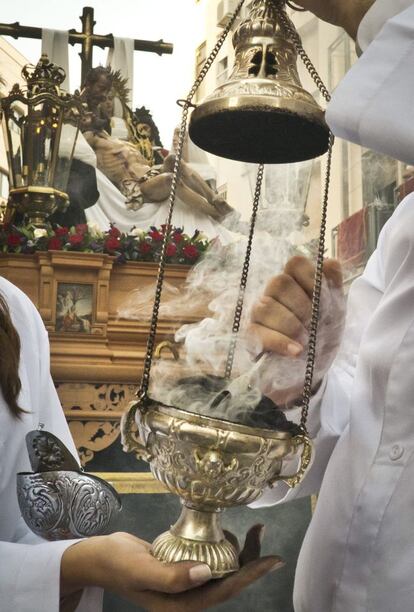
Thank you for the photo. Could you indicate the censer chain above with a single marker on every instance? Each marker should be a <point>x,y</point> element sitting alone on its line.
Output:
<point>316,295</point>
<point>245,272</point>
<point>295,7</point>
<point>317,287</point>
<point>303,55</point>
<point>187,103</point>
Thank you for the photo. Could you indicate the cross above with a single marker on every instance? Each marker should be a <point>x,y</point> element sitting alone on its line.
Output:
<point>87,38</point>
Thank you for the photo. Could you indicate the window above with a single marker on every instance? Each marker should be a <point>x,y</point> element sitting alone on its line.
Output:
<point>4,186</point>
<point>222,191</point>
<point>4,193</point>
<point>222,67</point>
<point>201,56</point>
<point>379,178</point>
<point>341,57</point>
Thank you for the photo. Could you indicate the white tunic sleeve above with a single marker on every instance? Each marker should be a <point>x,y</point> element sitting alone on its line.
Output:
<point>329,412</point>
<point>372,106</point>
<point>29,566</point>
<point>330,408</point>
<point>379,13</point>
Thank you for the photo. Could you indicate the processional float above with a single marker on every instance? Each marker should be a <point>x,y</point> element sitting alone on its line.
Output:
<point>261,114</point>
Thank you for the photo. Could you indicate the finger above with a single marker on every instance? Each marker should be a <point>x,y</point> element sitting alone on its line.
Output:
<point>274,341</point>
<point>232,539</point>
<point>129,537</point>
<point>252,545</point>
<point>211,594</point>
<point>272,314</point>
<point>284,289</point>
<point>333,272</point>
<point>302,271</point>
<point>172,577</point>
<point>146,545</point>
<point>218,591</point>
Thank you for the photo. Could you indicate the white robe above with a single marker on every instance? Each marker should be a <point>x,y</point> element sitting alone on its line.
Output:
<point>30,566</point>
<point>358,553</point>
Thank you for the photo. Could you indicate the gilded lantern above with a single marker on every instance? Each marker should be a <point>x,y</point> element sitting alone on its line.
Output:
<point>40,124</point>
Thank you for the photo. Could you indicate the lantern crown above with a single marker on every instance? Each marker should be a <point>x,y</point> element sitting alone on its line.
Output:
<point>44,77</point>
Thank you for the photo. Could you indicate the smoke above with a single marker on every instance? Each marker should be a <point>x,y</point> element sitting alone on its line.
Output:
<point>212,287</point>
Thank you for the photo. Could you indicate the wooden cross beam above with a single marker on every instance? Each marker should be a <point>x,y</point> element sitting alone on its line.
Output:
<point>87,38</point>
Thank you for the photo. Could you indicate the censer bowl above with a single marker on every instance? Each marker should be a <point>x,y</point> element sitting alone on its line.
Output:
<point>211,464</point>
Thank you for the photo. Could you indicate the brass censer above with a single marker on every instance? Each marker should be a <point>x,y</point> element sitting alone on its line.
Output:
<point>212,463</point>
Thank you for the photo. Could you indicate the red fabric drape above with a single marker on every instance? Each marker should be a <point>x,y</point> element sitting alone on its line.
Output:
<point>352,239</point>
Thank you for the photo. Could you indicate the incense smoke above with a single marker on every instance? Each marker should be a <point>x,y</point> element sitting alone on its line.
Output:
<point>215,282</point>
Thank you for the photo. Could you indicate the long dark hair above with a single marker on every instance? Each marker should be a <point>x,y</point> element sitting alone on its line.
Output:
<point>143,115</point>
<point>9,360</point>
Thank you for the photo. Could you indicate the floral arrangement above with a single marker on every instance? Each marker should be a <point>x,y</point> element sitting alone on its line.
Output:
<point>136,245</point>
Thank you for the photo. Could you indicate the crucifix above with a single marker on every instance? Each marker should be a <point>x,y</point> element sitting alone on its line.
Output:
<point>87,38</point>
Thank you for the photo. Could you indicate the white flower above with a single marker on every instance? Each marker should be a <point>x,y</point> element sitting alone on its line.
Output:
<point>136,232</point>
<point>94,230</point>
<point>39,232</point>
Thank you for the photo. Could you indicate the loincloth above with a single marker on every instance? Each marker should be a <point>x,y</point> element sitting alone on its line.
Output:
<point>131,188</point>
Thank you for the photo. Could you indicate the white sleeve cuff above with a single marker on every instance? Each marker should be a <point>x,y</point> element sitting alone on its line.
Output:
<point>91,601</point>
<point>30,578</point>
<point>379,13</point>
<point>281,492</point>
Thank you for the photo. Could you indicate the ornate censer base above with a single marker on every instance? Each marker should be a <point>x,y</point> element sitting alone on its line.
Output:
<point>198,536</point>
<point>211,464</point>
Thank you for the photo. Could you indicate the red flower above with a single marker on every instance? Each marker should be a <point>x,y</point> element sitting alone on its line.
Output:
<point>13,240</point>
<point>177,237</point>
<point>81,228</point>
<point>171,250</point>
<point>190,251</point>
<point>114,232</point>
<point>112,243</point>
<point>54,244</point>
<point>144,248</point>
<point>61,231</point>
<point>156,236</point>
<point>75,239</point>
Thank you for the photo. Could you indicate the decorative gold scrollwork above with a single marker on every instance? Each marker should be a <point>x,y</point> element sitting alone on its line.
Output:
<point>166,344</point>
<point>305,460</point>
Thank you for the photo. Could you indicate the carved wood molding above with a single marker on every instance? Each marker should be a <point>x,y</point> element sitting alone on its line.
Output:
<point>133,482</point>
<point>114,348</point>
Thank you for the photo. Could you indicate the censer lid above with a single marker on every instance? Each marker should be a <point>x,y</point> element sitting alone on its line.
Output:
<point>259,131</point>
